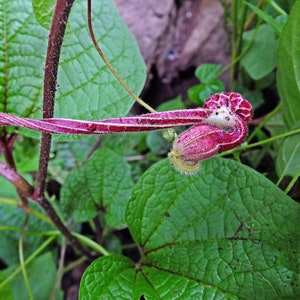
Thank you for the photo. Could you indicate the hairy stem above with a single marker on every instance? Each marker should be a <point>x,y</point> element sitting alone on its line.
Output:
<point>59,22</point>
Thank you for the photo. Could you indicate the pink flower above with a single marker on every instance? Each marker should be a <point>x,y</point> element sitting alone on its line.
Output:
<point>224,128</point>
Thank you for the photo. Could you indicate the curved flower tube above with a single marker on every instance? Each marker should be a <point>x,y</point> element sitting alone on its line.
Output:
<point>220,125</point>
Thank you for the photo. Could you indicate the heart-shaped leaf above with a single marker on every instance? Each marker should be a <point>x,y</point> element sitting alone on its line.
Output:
<point>227,232</point>
<point>207,72</point>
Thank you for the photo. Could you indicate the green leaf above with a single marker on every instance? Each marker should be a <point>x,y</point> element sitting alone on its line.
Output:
<point>7,189</point>
<point>73,154</point>
<point>276,125</point>
<point>42,275</point>
<point>261,58</point>
<point>104,182</point>
<point>5,291</point>
<point>215,86</point>
<point>213,235</point>
<point>288,157</point>
<point>157,143</point>
<point>115,277</point>
<point>193,94</point>
<point>122,143</point>
<point>207,72</point>
<point>217,222</point>
<point>281,21</point>
<point>22,54</point>
<point>26,154</point>
<point>200,92</point>
<point>43,11</point>
<point>266,81</point>
<point>288,74</point>
<point>176,103</point>
<point>120,278</point>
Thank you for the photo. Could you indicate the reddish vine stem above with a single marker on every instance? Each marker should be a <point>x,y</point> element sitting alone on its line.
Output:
<point>57,31</point>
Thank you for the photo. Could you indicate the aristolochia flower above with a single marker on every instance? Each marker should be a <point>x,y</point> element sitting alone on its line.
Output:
<point>224,128</point>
